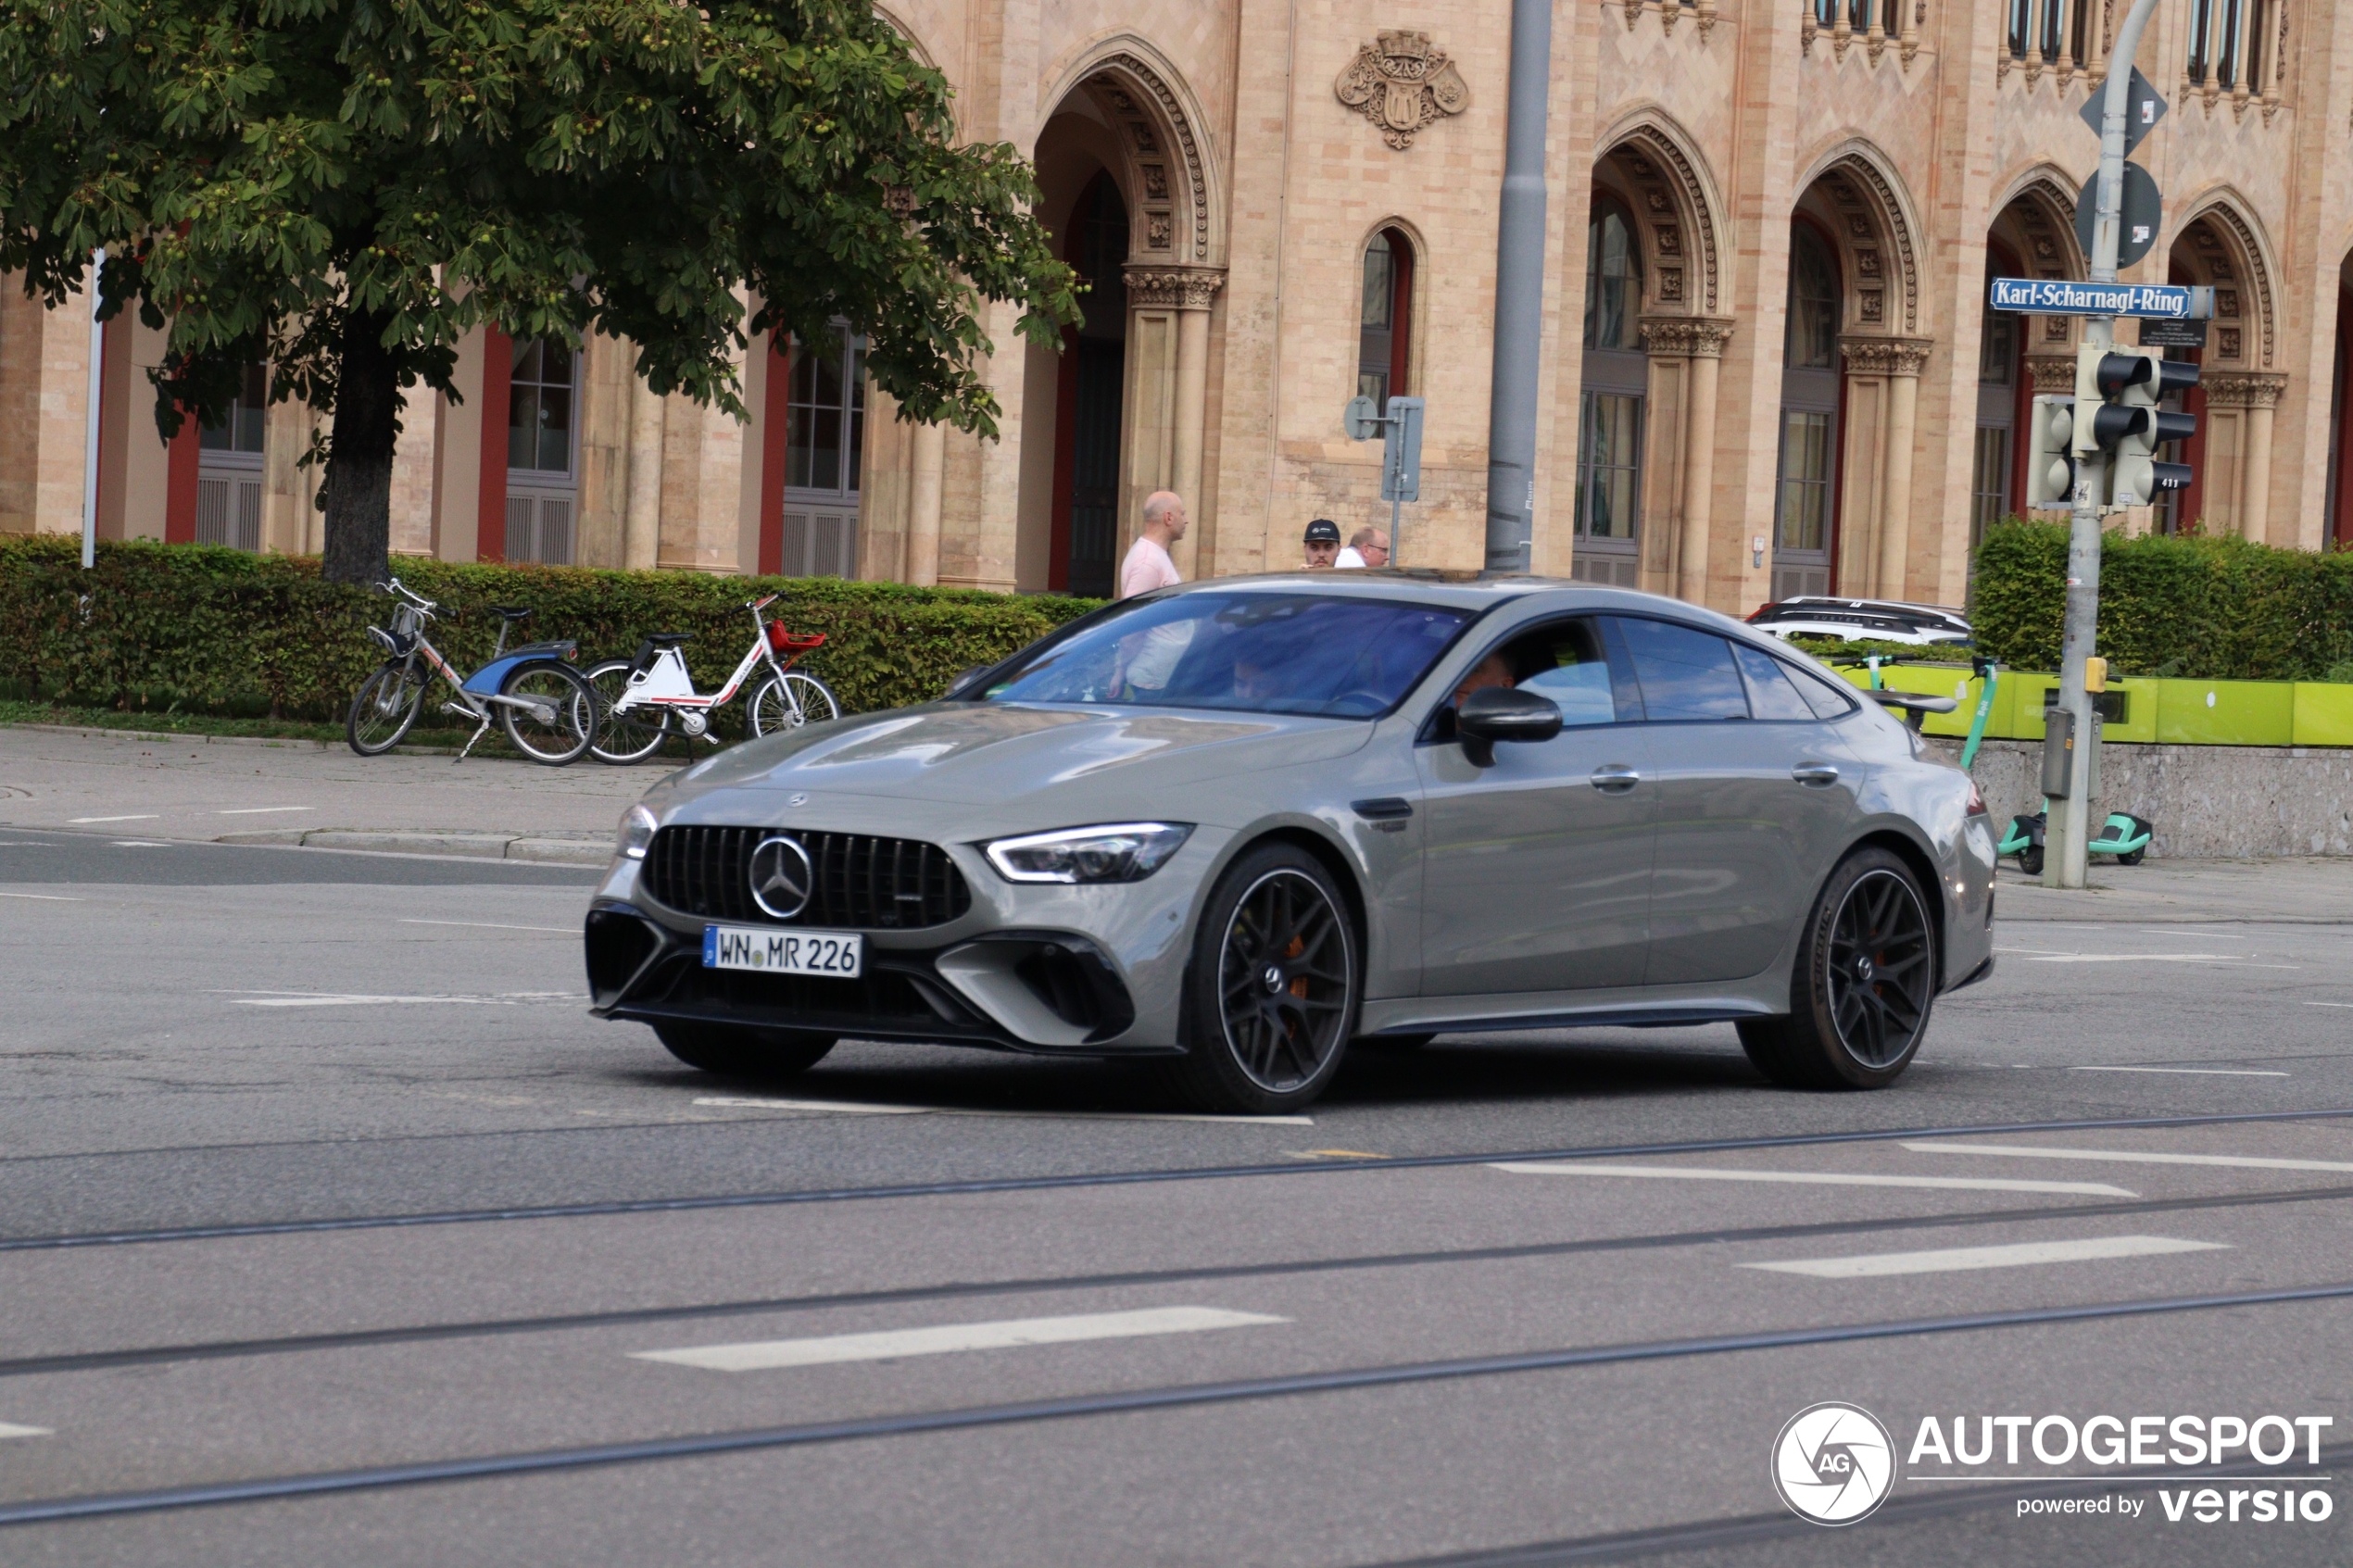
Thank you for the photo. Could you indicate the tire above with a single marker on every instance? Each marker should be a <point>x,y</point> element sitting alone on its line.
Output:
<point>1863,986</point>
<point>384,710</point>
<point>1272,994</point>
<point>2029,860</point>
<point>791,700</point>
<point>622,738</point>
<point>744,1053</point>
<point>571,727</point>
<point>2134,857</point>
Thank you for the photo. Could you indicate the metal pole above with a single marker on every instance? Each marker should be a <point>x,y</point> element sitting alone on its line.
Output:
<point>1519,297</point>
<point>2066,862</point>
<point>89,426</point>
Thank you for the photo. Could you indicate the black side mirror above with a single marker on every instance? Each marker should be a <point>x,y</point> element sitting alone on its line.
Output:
<point>1502,713</point>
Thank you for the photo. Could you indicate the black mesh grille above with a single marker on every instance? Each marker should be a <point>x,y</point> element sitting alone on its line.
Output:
<point>861,882</point>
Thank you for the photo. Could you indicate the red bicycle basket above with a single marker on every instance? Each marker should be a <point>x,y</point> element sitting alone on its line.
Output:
<point>782,641</point>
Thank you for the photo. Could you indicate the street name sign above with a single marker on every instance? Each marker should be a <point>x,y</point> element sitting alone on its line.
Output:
<point>2063,296</point>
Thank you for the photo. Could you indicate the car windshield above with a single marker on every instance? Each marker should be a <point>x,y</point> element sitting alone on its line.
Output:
<point>1341,658</point>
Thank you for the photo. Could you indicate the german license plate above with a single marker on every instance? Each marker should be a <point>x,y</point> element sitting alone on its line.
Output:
<point>838,955</point>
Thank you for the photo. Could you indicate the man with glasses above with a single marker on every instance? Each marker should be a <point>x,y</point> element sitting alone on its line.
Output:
<point>1367,546</point>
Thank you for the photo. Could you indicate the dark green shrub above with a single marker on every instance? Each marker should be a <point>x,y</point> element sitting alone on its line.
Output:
<point>218,631</point>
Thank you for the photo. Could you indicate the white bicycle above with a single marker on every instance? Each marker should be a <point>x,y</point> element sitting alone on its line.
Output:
<point>644,699</point>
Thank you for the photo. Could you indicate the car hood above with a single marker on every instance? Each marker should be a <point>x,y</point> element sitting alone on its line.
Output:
<point>1007,753</point>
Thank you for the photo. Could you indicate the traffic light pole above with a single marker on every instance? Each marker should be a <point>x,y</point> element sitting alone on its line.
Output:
<point>2068,832</point>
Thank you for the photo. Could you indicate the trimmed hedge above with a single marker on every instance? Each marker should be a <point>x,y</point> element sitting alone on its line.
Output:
<point>2207,608</point>
<point>204,629</point>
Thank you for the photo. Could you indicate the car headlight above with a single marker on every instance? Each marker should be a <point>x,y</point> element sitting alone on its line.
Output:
<point>637,826</point>
<point>1114,852</point>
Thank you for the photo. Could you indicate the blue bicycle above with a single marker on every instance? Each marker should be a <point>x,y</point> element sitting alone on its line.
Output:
<point>547,710</point>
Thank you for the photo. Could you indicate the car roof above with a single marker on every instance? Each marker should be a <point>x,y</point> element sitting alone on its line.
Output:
<point>1476,591</point>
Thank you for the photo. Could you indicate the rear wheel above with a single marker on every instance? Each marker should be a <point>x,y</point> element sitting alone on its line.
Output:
<point>1863,986</point>
<point>744,1053</point>
<point>791,700</point>
<point>387,704</point>
<point>560,724</point>
<point>1272,993</point>
<point>2029,860</point>
<point>2132,857</point>
<point>633,735</point>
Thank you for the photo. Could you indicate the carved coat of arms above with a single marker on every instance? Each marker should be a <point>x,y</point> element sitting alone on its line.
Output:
<point>1402,84</point>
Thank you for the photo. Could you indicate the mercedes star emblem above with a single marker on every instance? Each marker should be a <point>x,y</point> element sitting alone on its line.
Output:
<point>797,800</point>
<point>781,877</point>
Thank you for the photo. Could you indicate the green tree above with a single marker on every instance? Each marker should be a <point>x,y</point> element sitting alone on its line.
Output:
<point>344,188</point>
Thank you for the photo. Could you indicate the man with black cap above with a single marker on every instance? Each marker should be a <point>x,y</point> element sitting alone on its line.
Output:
<point>1321,545</point>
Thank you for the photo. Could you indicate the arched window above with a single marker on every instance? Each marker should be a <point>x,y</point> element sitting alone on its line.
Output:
<point>1806,503</point>
<point>1384,330</point>
<point>1617,378</point>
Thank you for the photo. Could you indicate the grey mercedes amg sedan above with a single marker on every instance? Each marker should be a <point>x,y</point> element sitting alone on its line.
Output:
<point>1242,825</point>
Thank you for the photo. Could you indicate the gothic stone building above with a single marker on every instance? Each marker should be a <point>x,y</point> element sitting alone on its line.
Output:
<point>1769,364</point>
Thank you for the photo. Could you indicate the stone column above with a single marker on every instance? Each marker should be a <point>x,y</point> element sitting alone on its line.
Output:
<point>1900,360</point>
<point>1701,340</point>
<point>925,464</point>
<point>1168,386</point>
<point>641,523</point>
<point>2256,393</point>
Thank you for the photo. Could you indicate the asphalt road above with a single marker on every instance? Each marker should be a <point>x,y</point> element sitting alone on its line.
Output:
<point>332,1230</point>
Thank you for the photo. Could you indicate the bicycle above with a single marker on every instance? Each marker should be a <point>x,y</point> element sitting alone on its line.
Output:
<point>548,711</point>
<point>643,696</point>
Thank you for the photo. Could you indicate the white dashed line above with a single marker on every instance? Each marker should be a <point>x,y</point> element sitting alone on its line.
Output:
<point>835,1348</point>
<point>7,1430</point>
<point>1808,1178</point>
<point>874,1108</point>
<point>493,925</point>
<point>44,897</point>
<point>134,817</point>
<point>260,810</point>
<point>2193,1071</point>
<point>2131,1156</point>
<point>1955,1260</point>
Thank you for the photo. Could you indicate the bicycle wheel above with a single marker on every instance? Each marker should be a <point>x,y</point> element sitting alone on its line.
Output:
<point>563,726</point>
<point>387,704</point>
<point>625,738</point>
<point>791,700</point>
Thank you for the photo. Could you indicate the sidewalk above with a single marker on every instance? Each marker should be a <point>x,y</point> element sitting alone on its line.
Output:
<point>240,791</point>
<point>2315,890</point>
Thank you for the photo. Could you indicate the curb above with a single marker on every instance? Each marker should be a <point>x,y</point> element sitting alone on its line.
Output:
<point>296,742</point>
<point>471,846</point>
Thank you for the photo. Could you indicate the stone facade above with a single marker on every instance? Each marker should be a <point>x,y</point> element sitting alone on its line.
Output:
<point>1787,213</point>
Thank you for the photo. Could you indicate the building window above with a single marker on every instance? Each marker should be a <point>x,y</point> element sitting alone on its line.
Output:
<point>1613,279</point>
<point>2021,21</point>
<point>825,455</point>
<point>1990,482</point>
<point>1607,508</point>
<point>2053,21</point>
<point>2201,38</point>
<point>1997,375</point>
<point>1813,304</point>
<point>1805,498</point>
<point>1383,325</point>
<point>1806,480</point>
<point>2228,73</point>
<point>1609,467</point>
<point>229,466</point>
<point>543,402</point>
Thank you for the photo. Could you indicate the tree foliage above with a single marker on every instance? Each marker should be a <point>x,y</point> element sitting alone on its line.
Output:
<point>345,188</point>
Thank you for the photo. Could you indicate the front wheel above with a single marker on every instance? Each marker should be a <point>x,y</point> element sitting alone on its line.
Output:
<point>1274,989</point>
<point>788,701</point>
<point>382,712</point>
<point>635,733</point>
<point>1863,986</point>
<point>2029,860</point>
<point>735,1052</point>
<point>560,724</point>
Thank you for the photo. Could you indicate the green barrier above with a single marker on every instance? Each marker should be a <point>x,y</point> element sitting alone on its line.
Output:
<point>2226,713</point>
<point>2323,714</point>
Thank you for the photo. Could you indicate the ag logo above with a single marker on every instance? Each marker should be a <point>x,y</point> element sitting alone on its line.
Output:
<point>1834,1464</point>
<point>781,877</point>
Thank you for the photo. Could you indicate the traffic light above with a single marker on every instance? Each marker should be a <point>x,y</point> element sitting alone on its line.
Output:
<point>2050,454</point>
<point>2123,387</point>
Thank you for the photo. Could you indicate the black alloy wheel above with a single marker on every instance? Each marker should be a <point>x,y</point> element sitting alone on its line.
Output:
<point>1864,983</point>
<point>1273,988</point>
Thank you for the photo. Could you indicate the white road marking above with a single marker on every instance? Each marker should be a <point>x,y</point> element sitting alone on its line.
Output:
<point>2328,1004</point>
<point>44,897</point>
<point>1807,1178</point>
<point>8,1430</point>
<point>261,810</point>
<point>134,817</point>
<point>337,999</point>
<point>493,925</point>
<point>2044,955</point>
<point>833,1349</point>
<point>1954,1259</point>
<point>2131,1156</point>
<point>2193,1071</point>
<point>875,1108</point>
<point>141,844</point>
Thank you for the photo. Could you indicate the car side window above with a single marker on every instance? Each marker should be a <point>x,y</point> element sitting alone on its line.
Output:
<point>1567,663</point>
<point>1685,673</point>
<point>1772,693</point>
<point>1829,698</point>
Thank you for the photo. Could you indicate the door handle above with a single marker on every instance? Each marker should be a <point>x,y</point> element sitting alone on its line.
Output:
<point>1815,774</point>
<point>1615,777</point>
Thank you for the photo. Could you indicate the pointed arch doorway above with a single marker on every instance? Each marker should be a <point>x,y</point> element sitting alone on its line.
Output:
<point>1088,399</point>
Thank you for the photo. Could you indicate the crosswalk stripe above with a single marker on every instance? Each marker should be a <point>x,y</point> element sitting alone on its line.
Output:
<point>2129,1156</point>
<point>1807,1178</point>
<point>8,1430</point>
<point>1954,1259</point>
<point>833,1349</point>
